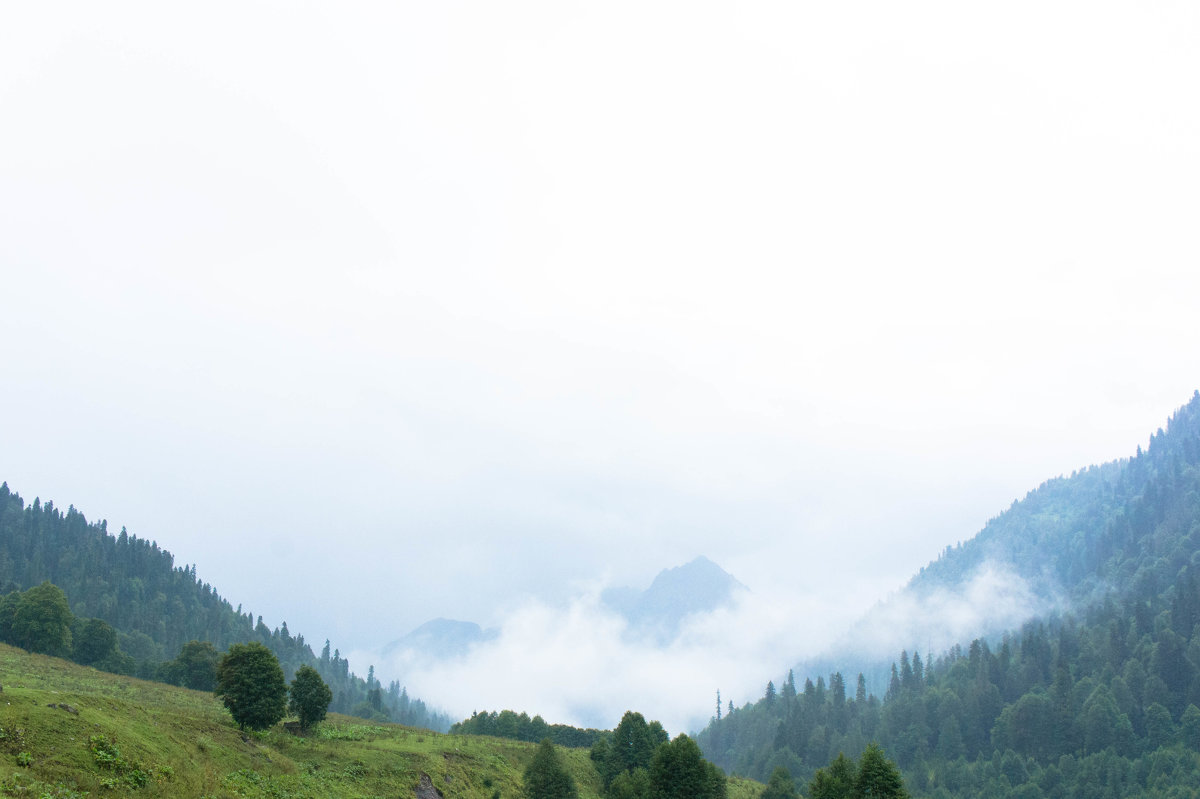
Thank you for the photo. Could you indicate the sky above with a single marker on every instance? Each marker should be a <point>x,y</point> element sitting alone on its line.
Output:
<point>381,312</point>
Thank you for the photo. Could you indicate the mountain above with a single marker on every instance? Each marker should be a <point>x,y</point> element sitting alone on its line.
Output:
<point>1068,543</point>
<point>440,639</point>
<point>657,613</point>
<point>699,586</point>
<point>1098,694</point>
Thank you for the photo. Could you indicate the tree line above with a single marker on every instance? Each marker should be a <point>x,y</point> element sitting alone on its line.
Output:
<point>520,727</point>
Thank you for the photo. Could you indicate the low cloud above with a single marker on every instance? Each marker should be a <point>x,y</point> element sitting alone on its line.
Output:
<point>993,599</point>
<point>578,662</point>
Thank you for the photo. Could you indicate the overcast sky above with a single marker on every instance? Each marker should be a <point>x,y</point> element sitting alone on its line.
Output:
<point>383,312</point>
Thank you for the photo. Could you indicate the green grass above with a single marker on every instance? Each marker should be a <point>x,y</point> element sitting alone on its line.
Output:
<point>138,738</point>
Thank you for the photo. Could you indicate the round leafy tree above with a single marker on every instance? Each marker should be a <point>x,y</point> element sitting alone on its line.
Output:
<point>95,641</point>
<point>195,666</point>
<point>310,697</point>
<point>251,684</point>
<point>42,621</point>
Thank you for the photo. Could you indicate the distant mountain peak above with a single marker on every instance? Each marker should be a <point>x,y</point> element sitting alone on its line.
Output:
<point>698,586</point>
<point>440,638</point>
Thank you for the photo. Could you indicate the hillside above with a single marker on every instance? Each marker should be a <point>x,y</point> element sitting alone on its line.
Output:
<point>150,739</point>
<point>70,731</point>
<point>1091,533</point>
<point>1105,692</point>
<point>134,585</point>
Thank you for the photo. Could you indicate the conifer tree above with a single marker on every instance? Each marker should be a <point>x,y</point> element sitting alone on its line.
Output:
<point>878,777</point>
<point>678,771</point>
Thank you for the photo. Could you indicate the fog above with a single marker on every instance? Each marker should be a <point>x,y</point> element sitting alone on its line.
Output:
<point>578,662</point>
<point>378,313</point>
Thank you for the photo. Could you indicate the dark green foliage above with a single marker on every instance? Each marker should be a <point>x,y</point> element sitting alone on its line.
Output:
<point>520,727</point>
<point>309,697</point>
<point>679,771</point>
<point>157,607</point>
<point>633,743</point>
<point>877,777</point>
<point>194,667</point>
<point>834,782</point>
<point>95,642</point>
<point>637,760</point>
<point>42,621</point>
<point>545,777</point>
<point>781,785</point>
<point>8,614</point>
<point>630,746</point>
<point>250,683</point>
<point>630,785</point>
<point>1190,727</point>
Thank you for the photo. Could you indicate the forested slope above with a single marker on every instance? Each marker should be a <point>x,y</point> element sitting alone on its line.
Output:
<point>1098,701</point>
<point>1085,535</point>
<point>156,606</point>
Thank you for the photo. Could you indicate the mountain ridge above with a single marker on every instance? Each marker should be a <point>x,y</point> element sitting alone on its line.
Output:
<point>1100,693</point>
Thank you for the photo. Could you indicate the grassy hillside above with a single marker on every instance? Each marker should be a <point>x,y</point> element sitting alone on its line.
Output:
<point>121,736</point>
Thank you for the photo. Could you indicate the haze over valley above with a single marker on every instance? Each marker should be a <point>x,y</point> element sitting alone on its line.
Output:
<point>575,358</point>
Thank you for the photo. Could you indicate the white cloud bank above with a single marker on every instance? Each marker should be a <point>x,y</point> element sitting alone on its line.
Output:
<point>995,598</point>
<point>576,663</point>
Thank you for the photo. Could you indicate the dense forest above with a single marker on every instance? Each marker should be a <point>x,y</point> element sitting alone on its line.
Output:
<point>1100,700</point>
<point>156,607</point>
